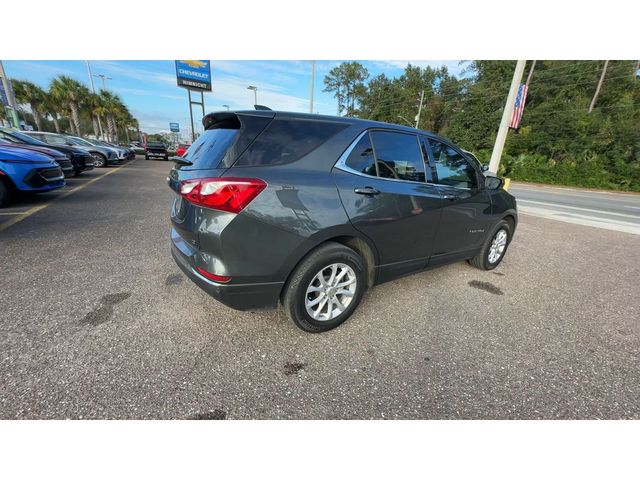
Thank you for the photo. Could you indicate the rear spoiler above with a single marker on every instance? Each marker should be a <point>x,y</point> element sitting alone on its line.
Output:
<point>228,119</point>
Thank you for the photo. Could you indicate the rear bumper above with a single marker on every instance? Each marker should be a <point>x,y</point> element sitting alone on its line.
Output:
<point>252,296</point>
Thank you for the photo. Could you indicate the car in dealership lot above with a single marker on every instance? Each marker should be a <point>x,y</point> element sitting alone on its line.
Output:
<point>310,211</point>
<point>123,153</point>
<point>156,150</point>
<point>182,148</point>
<point>27,170</point>
<point>81,160</point>
<point>102,156</point>
<point>60,158</point>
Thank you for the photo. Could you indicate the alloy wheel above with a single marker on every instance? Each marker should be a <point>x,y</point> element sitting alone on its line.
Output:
<point>498,244</point>
<point>330,292</point>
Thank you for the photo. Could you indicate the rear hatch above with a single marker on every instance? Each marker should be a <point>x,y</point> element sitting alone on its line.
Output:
<point>156,148</point>
<point>227,135</point>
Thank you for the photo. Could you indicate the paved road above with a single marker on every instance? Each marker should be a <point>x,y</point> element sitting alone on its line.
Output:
<point>613,211</point>
<point>98,322</point>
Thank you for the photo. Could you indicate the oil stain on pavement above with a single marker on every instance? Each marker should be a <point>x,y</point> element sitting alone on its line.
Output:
<point>211,415</point>
<point>293,368</point>
<point>486,286</point>
<point>105,311</point>
<point>173,279</point>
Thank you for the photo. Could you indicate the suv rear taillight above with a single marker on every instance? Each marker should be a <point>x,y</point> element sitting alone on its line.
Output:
<point>227,194</point>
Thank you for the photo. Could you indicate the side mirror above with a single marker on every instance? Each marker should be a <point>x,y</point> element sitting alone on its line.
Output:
<point>493,183</point>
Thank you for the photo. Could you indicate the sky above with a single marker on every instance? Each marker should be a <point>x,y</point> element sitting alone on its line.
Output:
<point>148,87</point>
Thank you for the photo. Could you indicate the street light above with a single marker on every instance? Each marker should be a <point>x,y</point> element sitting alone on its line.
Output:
<point>408,122</point>
<point>226,106</point>
<point>103,77</point>
<point>255,93</point>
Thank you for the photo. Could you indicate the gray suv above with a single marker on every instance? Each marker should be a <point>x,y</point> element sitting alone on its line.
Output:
<point>309,211</point>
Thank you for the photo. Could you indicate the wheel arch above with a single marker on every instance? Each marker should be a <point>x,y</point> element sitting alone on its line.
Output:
<point>349,238</point>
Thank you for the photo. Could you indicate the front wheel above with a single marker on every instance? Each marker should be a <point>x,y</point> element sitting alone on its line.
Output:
<point>325,289</point>
<point>494,247</point>
<point>4,194</point>
<point>99,160</point>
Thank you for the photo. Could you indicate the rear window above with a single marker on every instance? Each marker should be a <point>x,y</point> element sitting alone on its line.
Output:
<point>155,144</point>
<point>285,141</point>
<point>210,147</point>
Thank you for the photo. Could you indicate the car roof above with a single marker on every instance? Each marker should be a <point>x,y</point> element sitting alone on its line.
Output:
<point>360,122</point>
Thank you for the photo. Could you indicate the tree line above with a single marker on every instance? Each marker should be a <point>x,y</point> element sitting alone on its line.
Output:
<point>559,140</point>
<point>69,106</point>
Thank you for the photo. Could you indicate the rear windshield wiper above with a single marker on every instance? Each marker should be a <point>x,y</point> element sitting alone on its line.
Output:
<point>181,160</point>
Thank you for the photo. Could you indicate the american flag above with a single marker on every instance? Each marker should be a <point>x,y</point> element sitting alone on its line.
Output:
<point>518,108</point>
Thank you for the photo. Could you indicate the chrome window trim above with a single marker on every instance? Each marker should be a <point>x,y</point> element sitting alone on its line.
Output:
<point>341,164</point>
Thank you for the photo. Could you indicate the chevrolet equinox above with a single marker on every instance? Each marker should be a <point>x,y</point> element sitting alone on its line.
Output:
<point>310,210</point>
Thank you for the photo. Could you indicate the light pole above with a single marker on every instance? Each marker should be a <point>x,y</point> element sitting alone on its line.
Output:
<point>226,106</point>
<point>313,76</point>
<point>93,89</point>
<point>408,122</point>
<point>103,77</point>
<point>255,94</point>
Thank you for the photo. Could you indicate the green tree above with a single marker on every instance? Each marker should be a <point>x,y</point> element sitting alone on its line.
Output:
<point>27,93</point>
<point>346,82</point>
<point>73,94</point>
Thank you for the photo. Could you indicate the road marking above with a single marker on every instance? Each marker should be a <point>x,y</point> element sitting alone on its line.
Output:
<point>617,225</point>
<point>582,209</point>
<point>37,208</point>
<point>631,206</point>
<point>539,188</point>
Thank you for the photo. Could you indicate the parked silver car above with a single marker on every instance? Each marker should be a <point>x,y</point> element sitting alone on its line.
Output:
<point>102,156</point>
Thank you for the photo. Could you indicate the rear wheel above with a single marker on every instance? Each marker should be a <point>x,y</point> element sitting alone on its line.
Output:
<point>494,247</point>
<point>325,289</point>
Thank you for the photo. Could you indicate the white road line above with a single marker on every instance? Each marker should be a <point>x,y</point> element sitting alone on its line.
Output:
<point>582,209</point>
<point>13,213</point>
<point>542,188</point>
<point>631,206</point>
<point>616,225</point>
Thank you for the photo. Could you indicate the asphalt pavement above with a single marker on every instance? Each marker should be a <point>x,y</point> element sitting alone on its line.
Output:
<point>98,322</point>
<point>602,209</point>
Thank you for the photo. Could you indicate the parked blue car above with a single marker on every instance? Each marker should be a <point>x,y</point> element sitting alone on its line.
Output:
<point>27,171</point>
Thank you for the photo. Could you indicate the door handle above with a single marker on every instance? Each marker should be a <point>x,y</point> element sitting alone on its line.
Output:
<point>366,191</point>
<point>450,197</point>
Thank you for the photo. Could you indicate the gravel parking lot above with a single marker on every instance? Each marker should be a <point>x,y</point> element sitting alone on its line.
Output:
<point>98,322</point>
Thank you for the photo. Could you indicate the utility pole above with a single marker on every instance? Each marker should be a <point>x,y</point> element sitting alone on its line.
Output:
<point>506,116</point>
<point>313,75</point>
<point>595,95</point>
<point>419,108</point>
<point>93,89</point>
<point>11,101</point>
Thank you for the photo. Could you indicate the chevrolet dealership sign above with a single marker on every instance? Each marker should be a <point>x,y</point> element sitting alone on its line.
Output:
<point>194,74</point>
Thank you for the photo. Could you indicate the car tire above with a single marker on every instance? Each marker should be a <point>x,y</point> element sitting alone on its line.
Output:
<point>297,298</point>
<point>4,193</point>
<point>99,160</point>
<point>499,240</point>
<point>146,157</point>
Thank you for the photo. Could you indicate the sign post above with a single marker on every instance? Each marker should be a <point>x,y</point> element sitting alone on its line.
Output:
<point>194,75</point>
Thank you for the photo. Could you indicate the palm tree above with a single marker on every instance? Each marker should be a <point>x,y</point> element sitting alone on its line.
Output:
<point>113,108</point>
<point>73,94</point>
<point>96,111</point>
<point>28,93</point>
<point>52,107</point>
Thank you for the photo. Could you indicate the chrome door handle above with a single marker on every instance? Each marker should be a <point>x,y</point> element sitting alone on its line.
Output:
<point>366,191</point>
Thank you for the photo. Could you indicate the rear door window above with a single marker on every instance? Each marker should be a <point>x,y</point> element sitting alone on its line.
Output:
<point>361,158</point>
<point>288,140</point>
<point>398,156</point>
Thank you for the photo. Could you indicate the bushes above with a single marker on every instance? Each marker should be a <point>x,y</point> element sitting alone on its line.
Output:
<point>592,171</point>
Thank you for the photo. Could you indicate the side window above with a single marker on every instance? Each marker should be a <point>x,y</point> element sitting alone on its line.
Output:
<point>53,140</point>
<point>361,157</point>
<point>398,156</point>
<point>451,167</point>
<point>285,141</point>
